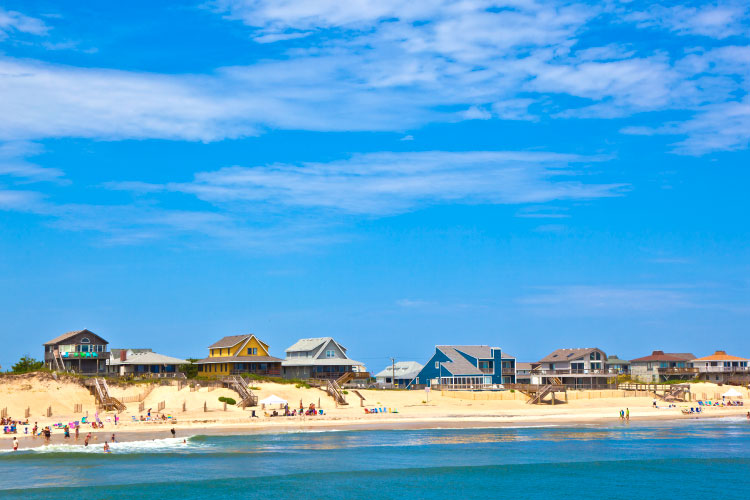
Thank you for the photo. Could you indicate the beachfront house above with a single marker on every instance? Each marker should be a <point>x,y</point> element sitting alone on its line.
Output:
<point>579,368</point>
<point>617,365</point>
<point>722,368</point>
<point>143,362</point>
<point>523,372</point>
<point>455,367</point>
<point>80,351</point>
<point>662,366</point>
<point>398,375</point>
<point>508,365</point>
<point>320,358</point>
<point>239,354</point>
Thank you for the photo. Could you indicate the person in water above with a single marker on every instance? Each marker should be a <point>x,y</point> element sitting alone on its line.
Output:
<point>106,447</point>
<point>15,444</point>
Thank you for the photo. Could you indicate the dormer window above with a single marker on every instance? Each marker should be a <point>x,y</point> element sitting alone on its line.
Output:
<point>330,353</point>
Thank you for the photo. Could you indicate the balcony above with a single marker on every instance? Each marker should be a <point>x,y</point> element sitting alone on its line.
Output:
<point>678,371</point>
<point>723,369</point>
<point>509,371</point>
<point>599,372</point>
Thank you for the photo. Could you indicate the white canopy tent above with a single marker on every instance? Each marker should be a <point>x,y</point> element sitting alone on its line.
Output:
<point>732,393</point>
<point>273,400</point>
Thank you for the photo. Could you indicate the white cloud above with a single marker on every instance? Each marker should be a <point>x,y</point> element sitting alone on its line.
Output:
<point>607,300</point>
<point>391,183</point>
<point>14,162</point>
<point>718,20</point>
<point>718,127</point>
<point>12,21</point>
<point>386,66</point>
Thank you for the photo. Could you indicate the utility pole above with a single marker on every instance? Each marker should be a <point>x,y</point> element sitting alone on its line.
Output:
<point>393,372</point>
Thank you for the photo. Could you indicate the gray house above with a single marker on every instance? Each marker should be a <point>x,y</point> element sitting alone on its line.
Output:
<point>398,374</point>
<point>321,358</point>
<point>80,351</point>
<point>575,368</point>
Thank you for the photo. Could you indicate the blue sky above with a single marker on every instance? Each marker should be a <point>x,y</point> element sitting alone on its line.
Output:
<point>395,174</point>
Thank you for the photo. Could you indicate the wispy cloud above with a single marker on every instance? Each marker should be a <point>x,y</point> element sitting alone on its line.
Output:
<point>607,300</point>
<point>386,65</point>
<point>716,20</point>
<point>12,21</point>
<point>14,161</point>
<point>391,183</point>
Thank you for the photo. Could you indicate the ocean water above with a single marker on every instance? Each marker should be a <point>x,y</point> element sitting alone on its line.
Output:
<point>684,459</point>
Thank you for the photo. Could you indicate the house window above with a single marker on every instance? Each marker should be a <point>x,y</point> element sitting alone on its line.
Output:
<point>85,340</point>
<point>437,365</point>
<point>252,351</point>
<point>330,353</point>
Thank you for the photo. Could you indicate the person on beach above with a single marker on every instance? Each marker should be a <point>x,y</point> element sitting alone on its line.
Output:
<point>77,427</point>
<point>116,419</point>
<point>113,437</point>
<point>66,434</point>
<point>15,444</point>
<point>627,414</point>
<point>173,432</point>
<point>47,433</point>
<point>35,429</point>
<point>86,441</point>
<point>622,414</point>
<point>148,413</point>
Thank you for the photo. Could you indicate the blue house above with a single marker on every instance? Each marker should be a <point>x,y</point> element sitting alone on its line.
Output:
<point>467,367</point>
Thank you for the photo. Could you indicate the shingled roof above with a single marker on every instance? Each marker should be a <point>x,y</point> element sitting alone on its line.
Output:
<point>664,356</point>
<point>233,340</point>
<point>66,336</point>
<point>567,354</point>
<point>459,365</point>
<point>721,356</point>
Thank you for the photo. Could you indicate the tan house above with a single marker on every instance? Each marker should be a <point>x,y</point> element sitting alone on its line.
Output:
<point>721,367</point>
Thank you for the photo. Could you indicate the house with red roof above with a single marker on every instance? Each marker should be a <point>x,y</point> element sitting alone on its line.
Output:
<point>662,366</point>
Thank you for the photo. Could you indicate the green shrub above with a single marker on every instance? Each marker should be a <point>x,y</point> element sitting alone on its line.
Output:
<point>27,364</point>
<point>345,392</point>
<point>229,401</point>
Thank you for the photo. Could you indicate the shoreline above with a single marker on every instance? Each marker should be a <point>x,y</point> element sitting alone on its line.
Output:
<point>151,432</point>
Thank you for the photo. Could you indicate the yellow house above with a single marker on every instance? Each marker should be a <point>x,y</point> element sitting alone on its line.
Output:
<point>239,354</point>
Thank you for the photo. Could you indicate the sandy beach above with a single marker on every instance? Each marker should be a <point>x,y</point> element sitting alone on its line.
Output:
<point>414,410</point>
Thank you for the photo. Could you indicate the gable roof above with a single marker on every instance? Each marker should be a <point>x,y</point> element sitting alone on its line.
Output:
<point>65,336</point>
<point>233,340</point>
<point>522,366</point>
<point>614,360</point>
<point>147,357</point>
<point>314,344</point>
<point>403,369</point>
<point>721,356</point>
<point>567,354</point>
<point>458,364</point>
<point>664,356</point>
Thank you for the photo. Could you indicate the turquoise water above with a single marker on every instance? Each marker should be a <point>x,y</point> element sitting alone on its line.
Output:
<point>685,459</point>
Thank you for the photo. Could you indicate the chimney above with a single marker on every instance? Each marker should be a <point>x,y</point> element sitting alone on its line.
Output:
<point>657,353</point>
<point>123,355</point>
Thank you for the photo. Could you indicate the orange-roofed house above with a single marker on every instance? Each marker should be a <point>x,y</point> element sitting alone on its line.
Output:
<point>722,367</point>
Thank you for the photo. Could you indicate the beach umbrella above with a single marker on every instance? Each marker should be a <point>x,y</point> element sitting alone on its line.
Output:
<point>273,400</point>
<point>732,393</point>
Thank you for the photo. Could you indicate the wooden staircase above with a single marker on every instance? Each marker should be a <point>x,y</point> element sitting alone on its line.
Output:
<point>247,397</point>
<point>334,390</point>
<point>59,364</point>
<point>537,393</point>
<point>105,399</point>
<point>675,393</point>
